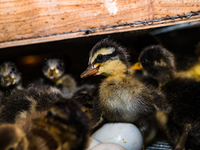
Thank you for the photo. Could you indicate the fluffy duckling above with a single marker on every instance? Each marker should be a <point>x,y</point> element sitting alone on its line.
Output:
<point>193,66</point>
<point>54,71</point>
<point>142,75</point>
<point>10,78</point>
<point>183,125</point>
<point>23,135</point>
<point>27,101</point>
<point>87,102</point>
<point>12,138</point>
<point>122,97</point>
<point>39,138</point>
<point>68,124</point>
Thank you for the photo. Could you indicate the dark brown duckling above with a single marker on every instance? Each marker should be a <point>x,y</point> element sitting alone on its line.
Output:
<point>68,124</point>
<point>10,79</point>
<point>183,125</point>
<point>122,97</point>
<point>87,102</point>
<point>54,71</point>
<point>12,138</point>
<point>23,135</point>
<point>27,101</point>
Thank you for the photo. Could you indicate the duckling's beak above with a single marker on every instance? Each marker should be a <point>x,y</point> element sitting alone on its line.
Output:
<point>136,66</point>
<point>8,81</point>
<point>39,122</point>
<point>89,71</point>
<point>52,74</point>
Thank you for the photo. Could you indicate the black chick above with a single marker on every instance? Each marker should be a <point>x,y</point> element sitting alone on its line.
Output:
<point>183,125</point>
<point>122,97</point>
<point>54,70</point>
<point>27,101</point>
<point>68,124</point>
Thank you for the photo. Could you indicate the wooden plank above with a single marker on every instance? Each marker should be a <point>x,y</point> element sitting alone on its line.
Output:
<point>99,32</point>
<point>23,19</point>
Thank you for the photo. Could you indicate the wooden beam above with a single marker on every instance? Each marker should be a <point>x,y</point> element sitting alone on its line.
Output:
<point>31,19</point>
<point>99,32</point>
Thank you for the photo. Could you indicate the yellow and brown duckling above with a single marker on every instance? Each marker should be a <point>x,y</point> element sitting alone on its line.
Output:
<point>23,135</point>
<point>193,66</point>
<point>68,124</point>
<point>54,71</point>
<point>10,78</point>
<point>182,94</point>
<point>122,97</point>
<point>27,101</point>
<point>12,137</point>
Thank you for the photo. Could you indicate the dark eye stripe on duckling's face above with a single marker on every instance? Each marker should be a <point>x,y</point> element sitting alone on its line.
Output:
<point>102,55</point>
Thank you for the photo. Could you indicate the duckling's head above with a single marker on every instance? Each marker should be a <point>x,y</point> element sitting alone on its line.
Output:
<point>107,58</point>
<point>9,74</point>
<point>66,122</point>
<point>53,68</point>
<point>12,138</point>
<point>158,63</point>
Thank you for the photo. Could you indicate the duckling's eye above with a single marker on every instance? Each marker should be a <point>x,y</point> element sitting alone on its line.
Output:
<point>144,60</point>
<point>45,65</point>
<point>13,69</point>
<point>11,148</point>
<point>59,66</point>
<point>100,57</point>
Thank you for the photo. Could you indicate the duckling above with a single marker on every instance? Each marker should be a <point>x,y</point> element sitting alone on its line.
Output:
<point>182,94</point>
<point>143,76</point>
<point>10,79</point>
<point>87,102</point>
<point>23,135</point>
<point>29,100</point>
<point>122,97</point>
<point>193,66</point>
<point>38,137</point>
<point>53,70</point>
<point>68,124</point>
<point>12,137</point>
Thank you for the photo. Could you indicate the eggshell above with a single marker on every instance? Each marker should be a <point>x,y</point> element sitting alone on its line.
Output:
<point>108,146</point>
<point>124,134</point>
<point>92,142</point>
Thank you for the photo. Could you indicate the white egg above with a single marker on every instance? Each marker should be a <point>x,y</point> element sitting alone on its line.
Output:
<point>108,146</point>
<point>92,142</point>
<point>124,134</point>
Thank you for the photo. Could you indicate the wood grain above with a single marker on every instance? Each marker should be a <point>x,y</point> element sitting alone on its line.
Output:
<point>26,19</point>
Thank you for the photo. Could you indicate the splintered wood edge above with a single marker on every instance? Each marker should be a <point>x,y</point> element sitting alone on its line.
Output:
<point>97,32</point>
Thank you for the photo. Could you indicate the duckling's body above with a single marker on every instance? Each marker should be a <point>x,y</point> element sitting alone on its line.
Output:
<point>23,135</point>
<point>10,79</point>
<point>122,98</point>
<point>183,96</point>
<point>27,101</point>
<point>192,72</point>
<point>87,102</point>
<point>181,93</point>
<point>53,70</point>
<point>12,137</point>
<point>39,138</point>
<point>68,124</point>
